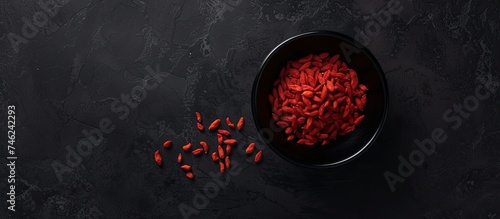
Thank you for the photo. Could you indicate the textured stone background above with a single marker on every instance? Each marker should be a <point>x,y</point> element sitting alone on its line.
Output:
<point>65,79</point>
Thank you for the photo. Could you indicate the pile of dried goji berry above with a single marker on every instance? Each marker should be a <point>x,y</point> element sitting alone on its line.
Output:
<point>220,155</point>
<point>317,98</point>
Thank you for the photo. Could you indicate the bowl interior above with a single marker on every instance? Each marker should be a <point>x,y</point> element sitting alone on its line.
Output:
<point>345,147</point>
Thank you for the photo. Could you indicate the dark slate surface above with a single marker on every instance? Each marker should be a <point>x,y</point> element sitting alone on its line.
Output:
<point>69,75</point>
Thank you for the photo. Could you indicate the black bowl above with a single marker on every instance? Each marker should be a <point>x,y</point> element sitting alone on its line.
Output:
<point>345,148</point>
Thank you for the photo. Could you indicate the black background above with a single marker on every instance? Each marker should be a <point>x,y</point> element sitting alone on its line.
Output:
<point>65,79</point>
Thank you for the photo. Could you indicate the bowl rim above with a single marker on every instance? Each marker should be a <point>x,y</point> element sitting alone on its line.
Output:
<point>384,91</point>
